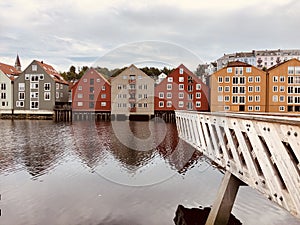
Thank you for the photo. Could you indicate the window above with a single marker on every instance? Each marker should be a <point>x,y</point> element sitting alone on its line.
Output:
<point>297,90</point>
<point>281,79</point>
<point>140,105</point>
<point>3,86</point>
<point>257,98</point>
<point>145,105</point>
<point>227,79</point>
<point>248,70</point>
<point>103,104</point>
<point>242,80</point>
<point>47,96</point>
<point>257,79</point>
<point>124,77</point>
<point>297,80</point>
<point>91,97</point>
<point>26,76</point>
<point>250,108</point>
<point>238,70</point>
<point>125,96</point>
<point>220,98</point>
<point>226,108</point>
<point>190,79</point>
<point>220,88</point>
<point>227,89</point>
<point>140,77</point>
<point>235,80</point>
<point>34,67</point>
<point>92,81</point>
<point>198,95</point>
<point>290,90</point>
<point>290,70</point>
<point>250,88</point>
<point>91,89</point>
<point>235,99</point>
<point>80,96</point>
<point>146,86</point>
<point>19,103</point>
<point>98,80</point>
<point>281,88</point>
<point>41,76</point>
<point>250,79</point>
<point>91,105</point>
<point>275,88</point>
<point>235,89</point>
<point>145,96</point>
<point>61,86</point>
<point>132,96</point>
<point>80,88</point>
<point>257,108</point>
<point>190,88</point>
<point>170,79</point>
<point>3,95</point>
<point>34,94</point>
<point>34,77</point>
<point>198,87</point>
<point>250,98</point>
<point>297,70</point>
<point>131,77</point>
<point>103,88</point>
<point>242,90</point>
<point>180,104</point>
<point>257,88</point>
<point>297,99</point>
<point>180,70</point>
<point>198,104</point>
<point>161,95</point>
<point>290,80</point>
<point>21,95</point>
<point>226,98</point>
<point>85,80</point>
<point>181,87</point>
<point>57,95</point>
<point>275,78</point>
<point>281,98</point>
<point>169,94</point>
<point>34,85</point>
<point>281,108</point>
<point>21,86</point>
<point>229,70</point>
<point>275,98</point>
<point>47,86</point>
<point>132,86</point>
<point>242,99</point>
<point>169,104</point>
<point>220,79</point>
<point>169,86</point>
<point>34,105</point>
<point>290,99</point>
<point>180,95</point>
<point>61,94</point>
<point>181,79</point>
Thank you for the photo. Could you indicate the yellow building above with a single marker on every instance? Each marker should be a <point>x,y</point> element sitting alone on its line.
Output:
<point>238,87</point>
<point>284,87</point>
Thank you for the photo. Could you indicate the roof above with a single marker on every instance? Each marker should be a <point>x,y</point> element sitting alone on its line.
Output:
<point>52,72</point>
<point>18,63</point>
<point>9,70</point>
<point>281,63</point>
<point>238,63</point>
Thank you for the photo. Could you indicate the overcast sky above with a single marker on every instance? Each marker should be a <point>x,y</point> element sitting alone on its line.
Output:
<point>116,33</point>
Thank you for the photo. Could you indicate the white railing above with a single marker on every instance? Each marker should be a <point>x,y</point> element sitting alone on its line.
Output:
<point>261,150</point>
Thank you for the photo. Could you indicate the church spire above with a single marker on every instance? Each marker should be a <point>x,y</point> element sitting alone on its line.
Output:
<point>18,63</point>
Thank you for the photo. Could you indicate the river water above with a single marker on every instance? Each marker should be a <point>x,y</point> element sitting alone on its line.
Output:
<point>120,173</point>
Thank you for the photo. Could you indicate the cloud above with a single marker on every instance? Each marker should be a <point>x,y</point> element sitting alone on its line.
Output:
<point>65,32</point>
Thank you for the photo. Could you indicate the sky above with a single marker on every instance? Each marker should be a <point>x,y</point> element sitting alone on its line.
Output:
<point>117,33</point>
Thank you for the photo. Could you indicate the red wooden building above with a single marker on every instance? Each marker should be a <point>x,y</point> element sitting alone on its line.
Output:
<point>92,93</point>
<point>181,90</point>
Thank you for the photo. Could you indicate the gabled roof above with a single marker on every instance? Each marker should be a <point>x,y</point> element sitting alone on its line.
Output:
<point>104,77</point>
<point>9,70</point>
<point>52,72</point>
<point>18,63</point>
<point>238,63</point>
<point>281,63</point>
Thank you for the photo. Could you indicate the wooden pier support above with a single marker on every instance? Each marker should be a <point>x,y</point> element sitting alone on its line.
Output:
<point>221,209</point>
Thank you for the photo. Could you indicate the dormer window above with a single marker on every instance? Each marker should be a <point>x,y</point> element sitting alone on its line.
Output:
<point>34,67</point>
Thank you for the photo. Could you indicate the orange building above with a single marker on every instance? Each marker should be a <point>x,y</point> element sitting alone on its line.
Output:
<point>238,87</point>
<point>284,87</point>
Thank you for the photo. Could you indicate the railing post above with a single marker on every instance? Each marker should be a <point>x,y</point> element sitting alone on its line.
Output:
<point>221,209</point>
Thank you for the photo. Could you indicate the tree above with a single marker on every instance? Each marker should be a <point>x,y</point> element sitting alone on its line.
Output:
<point>201,70</point>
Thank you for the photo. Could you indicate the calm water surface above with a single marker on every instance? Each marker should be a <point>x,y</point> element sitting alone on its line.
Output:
<point>80,173</point>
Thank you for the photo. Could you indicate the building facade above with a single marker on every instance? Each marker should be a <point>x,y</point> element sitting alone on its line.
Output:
<point>181,90</point>
<point>39,89</point>
<point>132,93</point>
<point>92,93</point>
<point>284,87</point>
<point>239,87</point>
<point>7,76</point>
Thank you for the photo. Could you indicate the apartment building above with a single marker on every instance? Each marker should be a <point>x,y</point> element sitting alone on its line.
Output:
<point>284,87</point>
<point>181,90</point>
<point>239,87</point>
<point>39,89</point>
<point>132,93</point>
<point>92,93</point>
